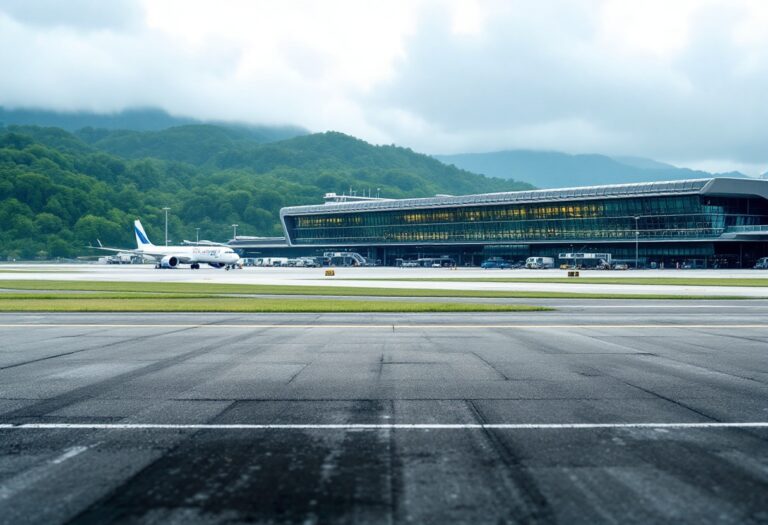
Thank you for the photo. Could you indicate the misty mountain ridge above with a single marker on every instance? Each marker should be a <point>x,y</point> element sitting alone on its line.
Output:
<point>551,169</point>
<point>643,163</point>
<point>136,119</point>
<point>154,133</point>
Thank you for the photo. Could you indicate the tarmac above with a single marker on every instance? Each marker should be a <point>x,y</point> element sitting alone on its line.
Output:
<point>600,411</point>
<point>371,277</point>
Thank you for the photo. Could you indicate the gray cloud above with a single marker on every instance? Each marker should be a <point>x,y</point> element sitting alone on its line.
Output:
<point>538,75</point>
<point>547,83</point>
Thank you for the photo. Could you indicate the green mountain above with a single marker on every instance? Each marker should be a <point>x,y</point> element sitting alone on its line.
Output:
<point>60,191</point>
<point>193,143</point>
<point>549,169</point>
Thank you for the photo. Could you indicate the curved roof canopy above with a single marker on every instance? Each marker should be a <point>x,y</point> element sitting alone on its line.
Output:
<point>713,186</point>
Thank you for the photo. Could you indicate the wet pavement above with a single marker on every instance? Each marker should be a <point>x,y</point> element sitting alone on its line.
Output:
<point>274,401</point>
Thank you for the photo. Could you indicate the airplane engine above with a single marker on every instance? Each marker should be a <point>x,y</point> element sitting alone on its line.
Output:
<point>217,265</point>
<point>169,261</point>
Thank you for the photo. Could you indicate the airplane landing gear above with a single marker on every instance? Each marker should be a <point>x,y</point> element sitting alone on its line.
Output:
<point>195,266</point>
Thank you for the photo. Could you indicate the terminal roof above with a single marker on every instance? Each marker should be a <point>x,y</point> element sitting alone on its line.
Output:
<point>691,186</point>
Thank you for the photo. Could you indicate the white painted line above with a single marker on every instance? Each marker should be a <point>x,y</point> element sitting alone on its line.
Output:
<point>376,426</point>
<point>383,326</point>
<point>68,454</point>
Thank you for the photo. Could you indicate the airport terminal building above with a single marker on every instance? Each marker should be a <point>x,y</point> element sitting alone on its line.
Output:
<point>716,222</point>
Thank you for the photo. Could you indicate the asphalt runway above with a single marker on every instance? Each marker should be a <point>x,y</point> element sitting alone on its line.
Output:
<point>598,412</point>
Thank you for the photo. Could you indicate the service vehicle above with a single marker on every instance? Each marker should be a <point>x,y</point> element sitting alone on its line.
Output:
<point>539,263</point>
<point>495,263</point>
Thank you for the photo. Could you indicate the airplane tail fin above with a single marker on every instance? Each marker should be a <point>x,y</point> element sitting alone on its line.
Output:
<point>141,236</point>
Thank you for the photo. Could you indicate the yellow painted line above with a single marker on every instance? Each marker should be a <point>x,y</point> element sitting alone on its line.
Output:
<point>381,326</point>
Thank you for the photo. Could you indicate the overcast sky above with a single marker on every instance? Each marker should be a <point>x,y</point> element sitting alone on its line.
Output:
<point>676,80</point>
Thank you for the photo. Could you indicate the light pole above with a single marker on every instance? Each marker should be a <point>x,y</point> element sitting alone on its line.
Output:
<point>166,224</point>
<point>234,231</point>
<point>197,235</point>
<point>637,243</point>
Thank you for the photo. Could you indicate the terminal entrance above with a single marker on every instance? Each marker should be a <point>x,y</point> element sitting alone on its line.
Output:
<point>667,255</point>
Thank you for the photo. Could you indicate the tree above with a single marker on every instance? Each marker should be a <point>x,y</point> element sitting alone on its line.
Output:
<point>90,228</point>
<point>239,200</point>
<point>59,248</point>
<point>260,219</point>
<point>48,223</point>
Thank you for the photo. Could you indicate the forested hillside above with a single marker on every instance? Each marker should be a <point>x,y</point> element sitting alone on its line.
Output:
<point>61,191</point>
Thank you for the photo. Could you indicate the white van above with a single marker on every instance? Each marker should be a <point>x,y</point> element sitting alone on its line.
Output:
<point>271,261</point>
<point>538,263</point>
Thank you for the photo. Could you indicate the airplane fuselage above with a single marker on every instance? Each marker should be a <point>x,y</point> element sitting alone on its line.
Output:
<point>171,256</point>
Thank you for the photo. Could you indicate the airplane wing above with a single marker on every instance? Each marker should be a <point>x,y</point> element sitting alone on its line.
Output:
<point>121,250</point>
<point>204,243</point>
<point>183,258</point>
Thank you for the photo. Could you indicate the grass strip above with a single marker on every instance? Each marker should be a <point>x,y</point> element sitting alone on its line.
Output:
<point>234,304</point>
<point>344,291</point>
<point>65,295</point>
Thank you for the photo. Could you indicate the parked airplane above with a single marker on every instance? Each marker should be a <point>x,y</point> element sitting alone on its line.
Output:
<point>216,255</point>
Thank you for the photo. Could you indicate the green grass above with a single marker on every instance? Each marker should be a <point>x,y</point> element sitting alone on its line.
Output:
<point>62,299</point>
<point>12,296</point>
<point>344,291</point>
<point>758,282</point>
<point>235,304</point>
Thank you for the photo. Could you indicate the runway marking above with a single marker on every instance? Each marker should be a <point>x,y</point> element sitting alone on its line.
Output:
<point>378,426</point>
<point>382,326</point>
<point>17,484</point>
<point>70,453</point>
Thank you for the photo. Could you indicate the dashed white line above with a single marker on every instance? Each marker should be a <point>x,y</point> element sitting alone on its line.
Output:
<point>68,454</point>
<point>380,426</point>
<point>23,481</point>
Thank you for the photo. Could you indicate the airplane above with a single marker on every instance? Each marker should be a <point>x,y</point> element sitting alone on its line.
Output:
<point>215,255</point>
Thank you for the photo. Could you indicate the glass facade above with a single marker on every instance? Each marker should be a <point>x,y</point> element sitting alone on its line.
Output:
<point>659,218</point>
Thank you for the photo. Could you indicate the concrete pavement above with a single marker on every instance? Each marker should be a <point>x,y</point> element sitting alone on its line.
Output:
<point>592,364</point>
